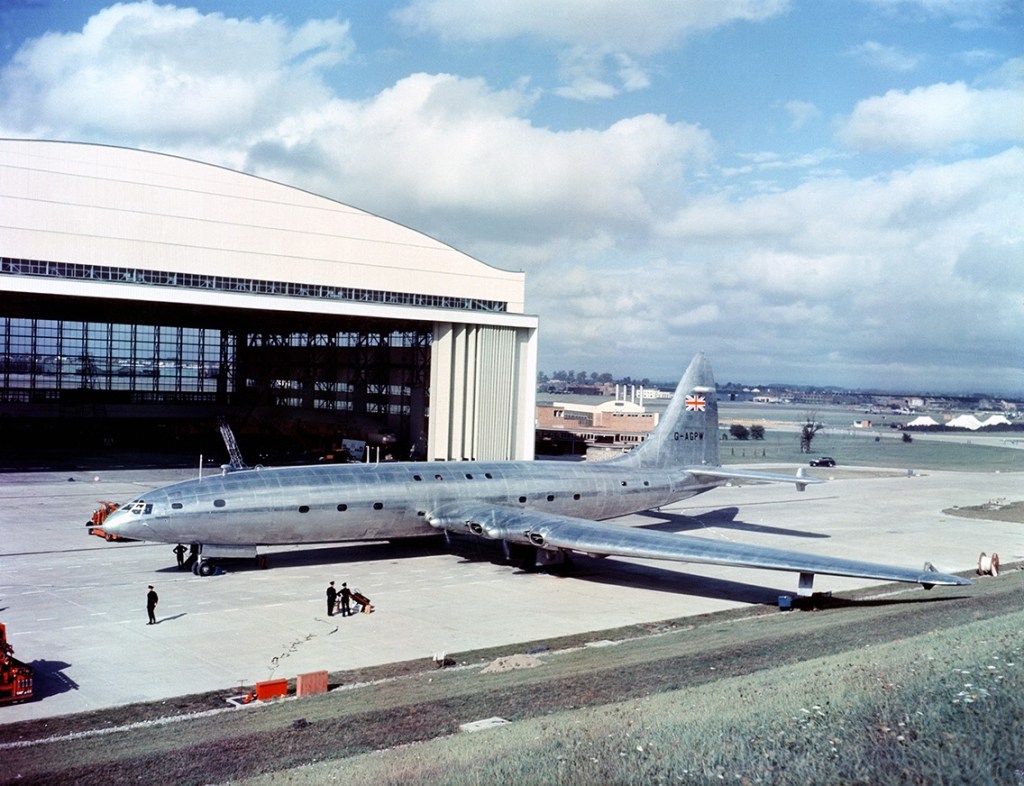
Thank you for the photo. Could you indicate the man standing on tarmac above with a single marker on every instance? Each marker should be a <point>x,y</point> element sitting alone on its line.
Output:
<point>332,595</point>
<point>151,601</point>
<point>346,593</point>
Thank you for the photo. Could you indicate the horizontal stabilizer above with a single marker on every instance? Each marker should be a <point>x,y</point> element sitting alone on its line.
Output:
<point>801,480</point>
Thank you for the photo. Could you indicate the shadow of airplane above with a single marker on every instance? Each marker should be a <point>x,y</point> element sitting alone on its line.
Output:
<point>609,571</point>
<point>336,554</point>
<point>612,572</point>
<point>724,518</point>
<point>615,573</point>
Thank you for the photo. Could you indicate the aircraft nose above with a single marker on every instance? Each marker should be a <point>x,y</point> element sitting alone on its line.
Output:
<point>124,524</point>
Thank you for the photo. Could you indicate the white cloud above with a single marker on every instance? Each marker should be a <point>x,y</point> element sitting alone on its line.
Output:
<point>590,73</point>
<point>890,58</point>
<point>638,28</point>
<point>962,13</point>
<point>935,118</point>
<point>436,151</point>
<point>801,113</point>
<point>909,269</point>
<point>602,39</point>
<point>444,152</point>
<point>160,72</point>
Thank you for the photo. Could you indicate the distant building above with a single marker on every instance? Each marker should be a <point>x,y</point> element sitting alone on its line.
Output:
<point>574,428</point>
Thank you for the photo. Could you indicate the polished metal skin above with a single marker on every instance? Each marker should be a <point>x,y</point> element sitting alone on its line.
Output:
<point>554,507</point>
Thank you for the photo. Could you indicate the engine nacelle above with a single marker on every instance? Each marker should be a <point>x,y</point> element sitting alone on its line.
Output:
<point>488,528</point>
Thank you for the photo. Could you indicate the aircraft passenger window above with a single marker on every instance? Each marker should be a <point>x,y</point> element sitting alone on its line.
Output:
<point>647,483</point>
<point>219,503</point>
<point>176,506</point>
<point>378,505</point>
<point>417,477</point>
<point>522,499</point>
<point>624,483</point>
<point>488,475</point>
<point>342,508</point>
<point>303,508</point>
<point>576,496</point>
<point>469,476</point>
<point>551,497</point>
<point>438,477</point>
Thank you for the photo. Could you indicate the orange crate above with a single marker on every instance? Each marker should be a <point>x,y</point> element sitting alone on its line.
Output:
<point>271,689</point>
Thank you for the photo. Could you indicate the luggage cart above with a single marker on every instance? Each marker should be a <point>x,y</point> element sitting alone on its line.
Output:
<point>362,602</point>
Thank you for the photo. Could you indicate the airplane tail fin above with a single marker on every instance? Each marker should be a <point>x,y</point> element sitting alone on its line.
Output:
<point>687,434</point>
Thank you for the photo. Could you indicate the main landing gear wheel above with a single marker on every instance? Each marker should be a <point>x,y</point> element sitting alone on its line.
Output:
<point>206,568</point>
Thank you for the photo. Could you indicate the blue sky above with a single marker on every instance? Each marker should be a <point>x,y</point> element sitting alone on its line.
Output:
<point>812,191</point>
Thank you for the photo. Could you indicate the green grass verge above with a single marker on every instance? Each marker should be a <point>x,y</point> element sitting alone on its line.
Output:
<point>941,707</point>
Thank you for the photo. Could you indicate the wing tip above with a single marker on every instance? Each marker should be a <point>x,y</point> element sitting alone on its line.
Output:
<point>929,580</point>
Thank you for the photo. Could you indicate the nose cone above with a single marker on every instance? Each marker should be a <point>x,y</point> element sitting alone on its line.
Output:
<point>126,524</point>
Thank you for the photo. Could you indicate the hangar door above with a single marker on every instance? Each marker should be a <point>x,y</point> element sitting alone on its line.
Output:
<point>482,393</point>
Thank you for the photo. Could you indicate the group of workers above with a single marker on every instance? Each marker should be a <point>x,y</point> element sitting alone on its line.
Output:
<point>340,600</point>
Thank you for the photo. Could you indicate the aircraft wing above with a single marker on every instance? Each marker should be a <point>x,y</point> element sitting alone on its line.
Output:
<point>555,532</point>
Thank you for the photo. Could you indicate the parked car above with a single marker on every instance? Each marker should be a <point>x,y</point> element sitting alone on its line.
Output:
<point>823,461</point>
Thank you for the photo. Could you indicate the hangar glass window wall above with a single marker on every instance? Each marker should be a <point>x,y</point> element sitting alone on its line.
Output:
<point>45,354</point>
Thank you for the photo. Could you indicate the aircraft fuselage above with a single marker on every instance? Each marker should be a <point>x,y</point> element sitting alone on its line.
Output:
<point>316,504</point>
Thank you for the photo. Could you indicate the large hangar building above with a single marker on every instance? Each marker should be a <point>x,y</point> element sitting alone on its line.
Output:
<point>143,296</point>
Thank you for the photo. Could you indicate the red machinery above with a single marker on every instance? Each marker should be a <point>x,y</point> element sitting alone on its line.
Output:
<point>15,676</point>
<point>98,516</point>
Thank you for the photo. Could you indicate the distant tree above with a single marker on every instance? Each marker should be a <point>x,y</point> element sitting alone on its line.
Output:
<point>739,431</point>
<point>757,432</point>
<point>808,430</point>
<point>907,437</point>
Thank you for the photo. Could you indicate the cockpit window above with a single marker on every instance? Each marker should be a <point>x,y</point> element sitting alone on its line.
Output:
<point>138,506</point>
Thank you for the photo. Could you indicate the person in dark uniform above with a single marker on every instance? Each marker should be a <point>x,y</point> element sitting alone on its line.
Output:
<point>151,601</point>
<point>332,595</point>
<point>179,552</point>
<point>346,593</point>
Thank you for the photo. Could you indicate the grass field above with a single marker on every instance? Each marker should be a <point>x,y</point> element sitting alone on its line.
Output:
<point>889,450</point>
<point>942,707</point>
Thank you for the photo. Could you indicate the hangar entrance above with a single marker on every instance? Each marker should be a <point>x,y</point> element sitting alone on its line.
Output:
<point>292,386</point>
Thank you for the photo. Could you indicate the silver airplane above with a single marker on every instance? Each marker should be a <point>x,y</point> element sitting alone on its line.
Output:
<point>552,507</point>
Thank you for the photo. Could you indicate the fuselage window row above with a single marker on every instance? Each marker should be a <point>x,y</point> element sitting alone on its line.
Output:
<point>469,476</point>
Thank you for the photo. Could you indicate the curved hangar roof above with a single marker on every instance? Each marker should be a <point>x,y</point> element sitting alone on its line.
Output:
<point>108,208</point>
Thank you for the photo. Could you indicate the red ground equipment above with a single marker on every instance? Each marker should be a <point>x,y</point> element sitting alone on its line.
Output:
<point>98,517</point>
<point>15,676</point>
